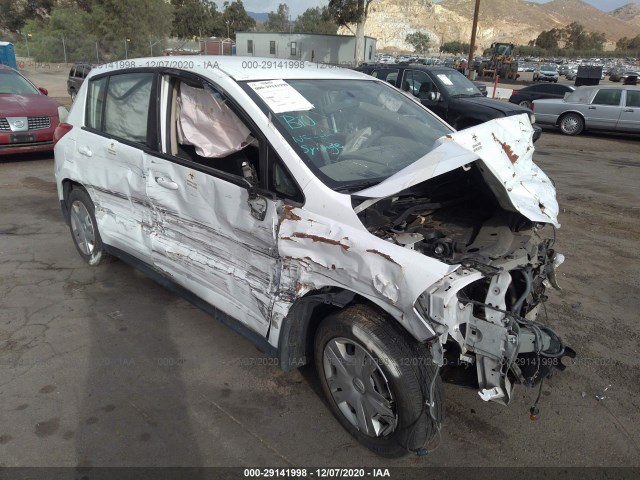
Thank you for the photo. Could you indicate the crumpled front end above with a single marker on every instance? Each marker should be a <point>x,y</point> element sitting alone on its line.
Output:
<point>488,314</point>
<point>478,203</point>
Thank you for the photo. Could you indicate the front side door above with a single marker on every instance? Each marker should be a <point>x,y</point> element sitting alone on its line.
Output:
<point>604,110</point>
<point>630,116</point>
<point>110,148</point>
<point>206,236</point>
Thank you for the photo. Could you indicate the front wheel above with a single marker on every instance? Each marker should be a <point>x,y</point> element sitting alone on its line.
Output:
<point>382,386</point>
<point>571,124</point>
<point>84,229</point>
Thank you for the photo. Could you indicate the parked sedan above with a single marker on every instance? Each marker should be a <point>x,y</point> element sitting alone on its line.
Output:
<point>547,72</point>
<point>28,117</point>
<point>612,107</point>
<point>525,96</point>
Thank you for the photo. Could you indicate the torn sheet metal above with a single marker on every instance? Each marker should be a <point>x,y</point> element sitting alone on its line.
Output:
<point>505,148</point>
<point>318,252</point>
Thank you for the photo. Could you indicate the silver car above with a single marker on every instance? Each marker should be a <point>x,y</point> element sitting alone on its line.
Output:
<point>546,72</point>
<point>610,107</point>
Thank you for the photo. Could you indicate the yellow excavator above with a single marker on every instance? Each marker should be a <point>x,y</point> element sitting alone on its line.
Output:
<point>501,63</point>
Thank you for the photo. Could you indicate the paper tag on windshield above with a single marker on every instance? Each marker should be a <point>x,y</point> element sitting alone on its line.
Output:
<point>280,96</point>
<point>445,79</point>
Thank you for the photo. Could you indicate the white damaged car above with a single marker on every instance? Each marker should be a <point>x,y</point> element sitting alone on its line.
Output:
<point>330,219</point>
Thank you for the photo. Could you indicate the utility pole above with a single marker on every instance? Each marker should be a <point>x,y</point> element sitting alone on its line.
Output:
<point>472,45</point>
<point>64,48</point>
<point>26,42</point>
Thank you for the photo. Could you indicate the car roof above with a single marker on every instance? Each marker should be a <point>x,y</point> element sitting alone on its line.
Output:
<point>238,68</point>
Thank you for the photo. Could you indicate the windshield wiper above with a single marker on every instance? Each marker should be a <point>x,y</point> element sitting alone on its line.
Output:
<point>356,186</point>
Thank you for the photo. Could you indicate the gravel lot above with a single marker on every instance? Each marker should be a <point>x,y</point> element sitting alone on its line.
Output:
<point>104,367</point>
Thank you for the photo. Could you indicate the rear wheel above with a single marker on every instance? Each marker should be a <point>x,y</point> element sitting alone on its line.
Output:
<point>378,382</point>
<point>73,95</point>
<point>84,229</point>
<point>571,124</point>
<point>525,103</point>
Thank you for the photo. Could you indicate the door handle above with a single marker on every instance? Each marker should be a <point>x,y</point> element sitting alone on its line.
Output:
<point>166,183</point>
<point>629,110</point>
<point>592,108</point>
<point>86,151</point>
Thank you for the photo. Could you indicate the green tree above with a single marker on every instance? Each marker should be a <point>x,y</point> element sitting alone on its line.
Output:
<point>12,18</point>
<point>215,26</point>
<point>548,39</point>
<point>622,44</point>
<point>455,47</point>
<point>316,20</point>
<point>125,27</point>
<point>278,21</point>
<point>346,12</point>
<point>190,18</point>
<point>67,30</point>
<point>236,19</point>
<point>420,41</point>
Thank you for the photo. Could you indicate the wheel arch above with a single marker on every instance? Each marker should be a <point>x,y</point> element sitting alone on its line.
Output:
<point>298,330</point>
<point>67,186</point>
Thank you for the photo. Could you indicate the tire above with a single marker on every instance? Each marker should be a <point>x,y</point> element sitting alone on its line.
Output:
<point>525,103</point>
<point>73,95</point>
<point>571,124</point>
<point>366,362</point>
<point>84,228</point>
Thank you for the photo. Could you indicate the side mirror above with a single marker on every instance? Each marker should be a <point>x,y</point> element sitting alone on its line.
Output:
<point>257,203</point>
<point>258,206</point>
<point>43,91</point>
<point>434,96</point>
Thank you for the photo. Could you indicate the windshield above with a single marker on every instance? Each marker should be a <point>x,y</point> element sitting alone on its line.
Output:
<point>548,68</point>
<point>353,133</point>
<point>12,82</point>
<point>457,84</point>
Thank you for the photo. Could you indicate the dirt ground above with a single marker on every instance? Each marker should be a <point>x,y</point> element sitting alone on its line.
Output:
<point>104,367</point>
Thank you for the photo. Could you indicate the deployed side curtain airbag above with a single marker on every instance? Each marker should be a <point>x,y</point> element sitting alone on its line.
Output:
<point>207,123</point>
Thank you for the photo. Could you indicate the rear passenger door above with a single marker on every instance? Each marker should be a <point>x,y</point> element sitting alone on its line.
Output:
<point>118,128</point>
<point>604,110</point>
<point>206,235</point>
<point>630,116</point>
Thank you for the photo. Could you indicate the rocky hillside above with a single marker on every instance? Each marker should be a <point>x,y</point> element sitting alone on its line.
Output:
<point>628,13</point>
<point>513,21</point>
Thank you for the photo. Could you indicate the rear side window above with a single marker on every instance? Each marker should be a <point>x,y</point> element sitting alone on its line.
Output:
<point>633,98</point>
<point>607,96</point>
<point>387,74</point>
<point>95,103</point>
<point>119,105</point>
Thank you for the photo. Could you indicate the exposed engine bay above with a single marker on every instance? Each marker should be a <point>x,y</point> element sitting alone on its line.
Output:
<point>486,311</point>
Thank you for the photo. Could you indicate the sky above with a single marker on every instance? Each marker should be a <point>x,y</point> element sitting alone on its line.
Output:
<point>298,6</point>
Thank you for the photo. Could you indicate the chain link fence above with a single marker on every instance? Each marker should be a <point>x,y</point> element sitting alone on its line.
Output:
<point>70,49</point>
